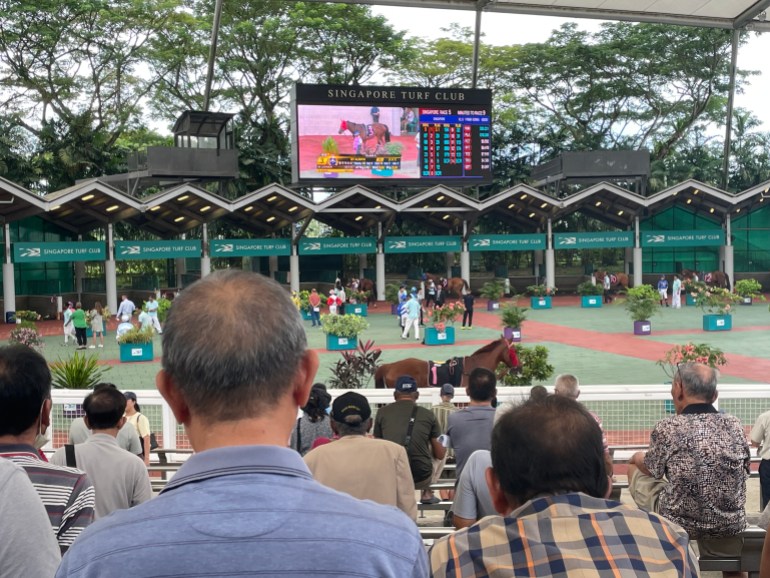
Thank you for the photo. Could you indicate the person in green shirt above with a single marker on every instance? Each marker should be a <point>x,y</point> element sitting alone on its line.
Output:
<point>78,320</point>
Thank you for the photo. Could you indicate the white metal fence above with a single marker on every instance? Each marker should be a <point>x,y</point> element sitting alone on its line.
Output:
<point>629,412</point>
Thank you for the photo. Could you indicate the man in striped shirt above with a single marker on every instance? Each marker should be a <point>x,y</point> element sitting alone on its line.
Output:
<point>25,408</point>
<point>549,484</point>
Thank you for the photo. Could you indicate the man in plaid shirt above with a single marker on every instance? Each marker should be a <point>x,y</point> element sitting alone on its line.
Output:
<point>549,484</point>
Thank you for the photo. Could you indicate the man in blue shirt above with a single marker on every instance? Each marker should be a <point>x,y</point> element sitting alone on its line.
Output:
<point>412,317</point>
<point>663,290</point>
<point>244,504</point>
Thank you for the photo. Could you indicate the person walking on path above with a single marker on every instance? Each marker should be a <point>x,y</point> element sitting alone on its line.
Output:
<point>412,318</point>
<point>676,293</point>
<point>126,307</point>
<point>69,329</point>
<point>152,311</point>
<point>663,290</point>
<point>97,324</point>
<point>80,324</point>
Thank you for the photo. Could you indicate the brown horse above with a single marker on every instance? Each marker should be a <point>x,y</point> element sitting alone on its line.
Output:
<point>368,286</point>
<point>453,286</point>
<point>710,278</point>
<point>376,130</point>
<point>489,356</point>
<point>616,279</point>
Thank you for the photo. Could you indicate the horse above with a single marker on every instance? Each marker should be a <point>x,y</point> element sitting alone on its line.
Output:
<point>616,279</point>
<point>366,285</point>
<point>489,357</point>
<point>454,286</point>
<point>367,131</point>
<point>710,278</point>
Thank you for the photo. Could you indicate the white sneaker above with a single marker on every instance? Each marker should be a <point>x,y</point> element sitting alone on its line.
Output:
<point>101,345</point>
<point>92,347</point>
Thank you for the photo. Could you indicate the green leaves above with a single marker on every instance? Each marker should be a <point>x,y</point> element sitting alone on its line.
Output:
<point>79,372</point>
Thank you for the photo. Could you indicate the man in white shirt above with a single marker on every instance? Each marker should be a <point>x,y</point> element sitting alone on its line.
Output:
<point>126,307</point>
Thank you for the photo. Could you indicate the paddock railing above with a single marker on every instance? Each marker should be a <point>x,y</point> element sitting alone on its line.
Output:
<point>628,412</point>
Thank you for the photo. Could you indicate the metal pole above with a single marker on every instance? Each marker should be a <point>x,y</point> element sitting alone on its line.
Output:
<point>212,54</point>
<point>730,100</point>
<point>476,39</point>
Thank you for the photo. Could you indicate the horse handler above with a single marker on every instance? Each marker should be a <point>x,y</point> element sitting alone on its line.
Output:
<point>412,317</point>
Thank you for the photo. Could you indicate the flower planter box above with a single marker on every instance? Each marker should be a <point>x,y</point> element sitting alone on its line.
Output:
<point>130,352</point>
<point>433,337</point>
<point>90,333</point>
<point>642,328</point>
<point>590,301</point>
<point>493,305</point>
<point>512,334</point>
<point>305,314</point>
<point>361,309</point>
<point>688,300</point>
<point>717,322</point>
<point>543,302</point>
<point>337,343</point>
<point>747,300</point>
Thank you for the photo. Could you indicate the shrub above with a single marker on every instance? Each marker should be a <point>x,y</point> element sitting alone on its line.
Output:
<point>136,335</point>
<point>25,315</point>
<point>79,372</point>
<point>391,293</point>
<point>356,368</point>
<point>343,325</point>
<point>534,366</point>
<point>642,302</point>
<point>492,290</point>
<point>691,352</point>
<point>26,336</point>
<point>447,313</point>
<point>541,290</point>
<point>715,300</point>
<point>588,288</point>
<point>512,315</point>
<point>744,288</point>
<point>330,146</point>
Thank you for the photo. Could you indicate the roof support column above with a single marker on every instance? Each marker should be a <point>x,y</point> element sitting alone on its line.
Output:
<point>80,272</point>
<point>205,257</point>
<point>272,266</point>
<point>362,264</point>
<point>294,268</point>
<point>449,260</point>
<point>379,260</point>
<point>637,276</point>
<point>730,101</point>
<point>729,261</point>
<point>550,258</point>
<point>110,277</point>
<point>9,286</point>
<point>465,256</point>
<point>181,267</point>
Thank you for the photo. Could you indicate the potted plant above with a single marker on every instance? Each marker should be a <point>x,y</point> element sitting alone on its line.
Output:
<point>691,352</point>
<point>342,330</point>
<point>358,303</point>
<point>716,304</point>
<point>642,303</point>
<point>391,296</point>
<point>541,295</point>
<point>513,317</point>
<point>534,366</point>
<point>591,295</point>
<point>443,332</point>
<point>136,345</point>
<point>26,336</point>
<point>747,289</point>
<point>81,371</point>
<point>492,291</point>
<point>356,368</point>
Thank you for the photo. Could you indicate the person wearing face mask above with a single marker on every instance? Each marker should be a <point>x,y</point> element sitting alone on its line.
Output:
<point>25,390</point>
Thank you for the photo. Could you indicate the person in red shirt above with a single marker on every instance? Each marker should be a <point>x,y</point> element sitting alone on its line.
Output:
<point>314,300</point>
<point>333,302</point>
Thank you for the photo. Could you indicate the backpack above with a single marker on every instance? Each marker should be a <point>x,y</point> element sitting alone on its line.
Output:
<point>153,440</point>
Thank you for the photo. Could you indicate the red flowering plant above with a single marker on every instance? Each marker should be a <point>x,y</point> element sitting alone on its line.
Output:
<point>447,313</point>
<point>716,300</point>
<point>691,353</point>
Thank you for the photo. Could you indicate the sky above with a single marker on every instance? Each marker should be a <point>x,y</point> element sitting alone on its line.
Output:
<point>507,29</point>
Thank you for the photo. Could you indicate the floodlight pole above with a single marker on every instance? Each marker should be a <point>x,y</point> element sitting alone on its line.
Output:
<point>476,40</point>
<point>212,54</point>
<point>730,101</point>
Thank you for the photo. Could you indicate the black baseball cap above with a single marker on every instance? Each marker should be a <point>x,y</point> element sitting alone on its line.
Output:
<point>350,404</point>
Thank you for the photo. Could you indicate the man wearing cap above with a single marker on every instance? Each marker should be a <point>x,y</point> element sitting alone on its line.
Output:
<point>244,503</point>
<point>412,317</point>
<point>364,467</point>
<point>416,428</point>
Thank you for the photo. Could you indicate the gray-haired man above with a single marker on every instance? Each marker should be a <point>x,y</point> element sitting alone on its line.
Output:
<point>244,503</point>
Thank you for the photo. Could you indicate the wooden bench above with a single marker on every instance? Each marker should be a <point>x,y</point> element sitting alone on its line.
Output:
<point>748,561</point>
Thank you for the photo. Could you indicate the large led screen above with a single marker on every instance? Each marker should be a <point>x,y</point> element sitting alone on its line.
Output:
<point>403,135</point>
